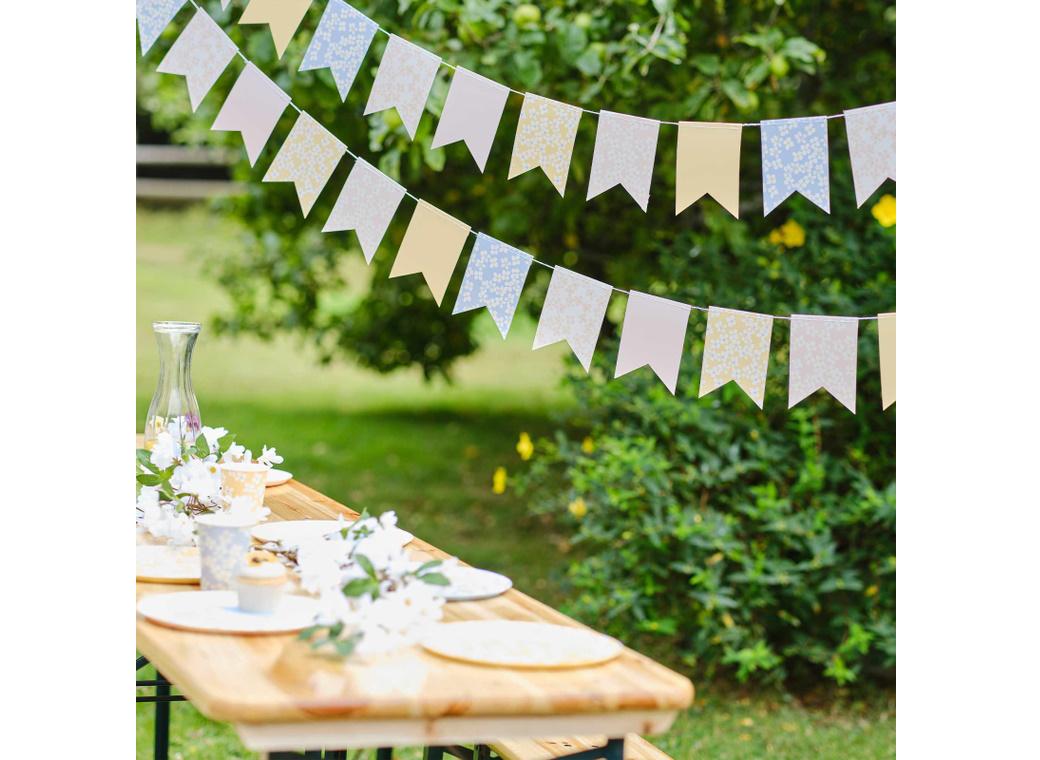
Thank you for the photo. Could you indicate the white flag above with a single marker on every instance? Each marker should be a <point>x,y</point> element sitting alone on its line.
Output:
<point>624,155</point>
<point>366,204</point>
<point>200,54</point>
<point>653,335</point>
<point>872,147</point>
<point>152,17</point>
<point>403,81</point>
<point>574,308</point>
<point>307,159</point>
<point>253,107</point>
<point>471,113</point>
<point>823,355</point>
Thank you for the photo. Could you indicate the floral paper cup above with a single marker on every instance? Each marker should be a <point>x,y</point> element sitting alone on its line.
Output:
<point>243,483</point>
<point>224,541</point>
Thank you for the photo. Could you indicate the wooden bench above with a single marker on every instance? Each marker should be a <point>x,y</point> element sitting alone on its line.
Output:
<point>636,748</point>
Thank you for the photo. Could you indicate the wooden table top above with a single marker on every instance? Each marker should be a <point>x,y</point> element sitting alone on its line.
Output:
<point>261,679</point>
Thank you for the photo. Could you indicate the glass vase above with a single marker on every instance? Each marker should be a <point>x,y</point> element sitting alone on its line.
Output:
<point>174,408</point>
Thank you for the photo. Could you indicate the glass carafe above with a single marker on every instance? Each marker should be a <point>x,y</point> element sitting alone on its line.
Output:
<point>174,408</point>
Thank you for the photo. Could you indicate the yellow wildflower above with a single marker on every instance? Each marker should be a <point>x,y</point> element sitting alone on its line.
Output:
<point>578,508</point>
<point>885,210</point>
<point>524,447</point>
<point>498,480</point>
<point>871,591</point>
<point>727,620</point>
<point>714,559</point>
<point>588,446</point>
<point>747,722</point>
<point>790,234</point>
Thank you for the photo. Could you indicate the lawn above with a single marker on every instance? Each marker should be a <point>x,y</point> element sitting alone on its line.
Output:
<point>428,451</point>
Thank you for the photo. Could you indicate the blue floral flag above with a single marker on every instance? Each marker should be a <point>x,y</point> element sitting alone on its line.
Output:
<point>152,17</point>
<point>794,159</point>
<point>494,278</point>
<point>339,43</point>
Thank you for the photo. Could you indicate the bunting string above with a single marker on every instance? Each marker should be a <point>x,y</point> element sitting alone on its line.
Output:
<point>823,348</point>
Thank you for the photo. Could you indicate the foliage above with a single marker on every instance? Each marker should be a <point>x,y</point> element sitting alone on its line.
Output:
<point>761,542</point>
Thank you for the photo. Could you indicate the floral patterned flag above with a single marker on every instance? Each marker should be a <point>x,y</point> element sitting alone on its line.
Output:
<point>431,247</point>
<point>494,278</point>
<point>545,137</point>
<point>200,54</point>
<point>624,155</point>
<point>823,355</point>
<point>872,147</point>
<point>794,159</point>
<point>152,17</point>
<point>653,335</point>
<point>886,327</point>
<point>403,81</point>
<point>307,159</point>
<point>736,347</point>
<point>366,204</point>
<point>253,107</point>
<point>471,113</point>
<point>707,162</point>
<point>574,308</point>
<point>340,43</point>
<point>283,16</point>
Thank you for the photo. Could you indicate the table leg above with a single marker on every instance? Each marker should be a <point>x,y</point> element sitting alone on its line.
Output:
<point>385,753</point>
<point>162,718</point>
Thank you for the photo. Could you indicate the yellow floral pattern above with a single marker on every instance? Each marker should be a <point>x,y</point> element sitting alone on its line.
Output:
<point>736,347</point>
<point>545,137</point>
<point>307,159</point>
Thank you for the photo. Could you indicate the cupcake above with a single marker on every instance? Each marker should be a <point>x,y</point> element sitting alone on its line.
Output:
<point>260,582</point>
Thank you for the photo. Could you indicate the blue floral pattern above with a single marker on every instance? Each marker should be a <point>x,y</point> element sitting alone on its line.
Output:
<point>339,43</point>
<point>494,278</point>
<point>152,17</point>
<point>794,158</point>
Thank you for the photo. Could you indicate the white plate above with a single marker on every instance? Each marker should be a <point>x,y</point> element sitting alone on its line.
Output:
<point>278,477</point>
<point>515,644</point>
<point>471,584</point>
<point>217,612</point>
<point>296,532</point>
<point>157,563</point>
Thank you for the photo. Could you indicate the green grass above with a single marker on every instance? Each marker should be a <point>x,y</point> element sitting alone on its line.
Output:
<point>427,451</point>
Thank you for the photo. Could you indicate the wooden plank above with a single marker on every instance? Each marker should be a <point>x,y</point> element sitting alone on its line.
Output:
<point>186,189</point>
<point>264,679</point>
<point>185,155</point>
<point>636,748</point>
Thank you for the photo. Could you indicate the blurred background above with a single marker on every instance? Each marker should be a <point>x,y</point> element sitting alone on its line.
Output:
<point>752,549</point>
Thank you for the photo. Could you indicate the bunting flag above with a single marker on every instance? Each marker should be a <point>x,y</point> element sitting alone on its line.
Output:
<point>624,155</point>
<point>872,147</point>
<point>471,113</point>
<point>431,247</point>
<point>152,17</point>
<point>253,107</point>
<point>224,4</point>
<point>366,204</point>
<point>886,327</point>
<point>403,81</point>
<point>307,159</point>
<point>707,162</point>
<point>283,16</point>
<point>200,55</point>
<point>573,310</point>
<point>652,335</point>
<point>339,43</point>
<point>736,347</point>
<point>823,355</point>
<point>794,159</point>
<point>545,137</point>
<point>494,278</point>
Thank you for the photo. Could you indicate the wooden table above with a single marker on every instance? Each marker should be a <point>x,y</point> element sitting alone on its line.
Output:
<point>280,697</point>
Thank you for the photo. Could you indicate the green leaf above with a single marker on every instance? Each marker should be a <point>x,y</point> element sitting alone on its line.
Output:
<point>706,64</point>
<point>308,633</point>
<point>360,587</point>
<point>147,479</point>
<point>144,458</point>
<point>435,579</point>
<point>366,565</point>
<point>589,63</point>
<point>428,565</point>
<point>202,446</point>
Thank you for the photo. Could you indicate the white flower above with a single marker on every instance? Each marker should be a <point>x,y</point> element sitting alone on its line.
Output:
<point>163,521</point>
<point>165,450</point>
<point>200,478</point>
<point>236,452</point>
<point>213,436</point>
<point>269,457</point>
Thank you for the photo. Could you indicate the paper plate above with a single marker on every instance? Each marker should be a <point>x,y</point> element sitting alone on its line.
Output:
<point>515,644</point>
<point>278,477</point>
<point>158,563</point>
<point>296,532</point>
<point>471,584</point>
<point>217,612</point>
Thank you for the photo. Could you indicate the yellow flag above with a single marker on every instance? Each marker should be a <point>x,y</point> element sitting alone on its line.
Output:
<point>431,247</point>
<point>707,161</point>
<point>283,16</point>
<point>886,328</point>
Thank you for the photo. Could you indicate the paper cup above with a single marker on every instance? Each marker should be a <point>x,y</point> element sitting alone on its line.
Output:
<point>224,540</point>
<point>244,481</point>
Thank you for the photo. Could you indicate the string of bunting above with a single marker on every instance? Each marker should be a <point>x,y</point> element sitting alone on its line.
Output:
<point>823,349</point>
